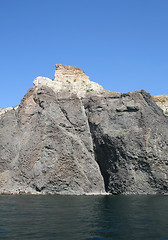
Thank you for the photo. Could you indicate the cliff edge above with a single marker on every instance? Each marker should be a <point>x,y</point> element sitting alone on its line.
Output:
<point>71,80</point>
<point>70,136</point>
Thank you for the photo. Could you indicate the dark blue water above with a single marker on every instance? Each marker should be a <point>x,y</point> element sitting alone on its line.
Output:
<point>84,217</point>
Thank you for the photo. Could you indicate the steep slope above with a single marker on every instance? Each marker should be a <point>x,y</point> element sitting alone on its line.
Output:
<point>70,136</point>
<point>46,146</point>
<point>130,138</point>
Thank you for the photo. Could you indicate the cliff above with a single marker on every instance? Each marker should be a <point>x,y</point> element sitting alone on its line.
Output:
<point>70,136</point>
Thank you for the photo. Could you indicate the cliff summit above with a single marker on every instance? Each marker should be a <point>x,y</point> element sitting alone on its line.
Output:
<point>72,80</point>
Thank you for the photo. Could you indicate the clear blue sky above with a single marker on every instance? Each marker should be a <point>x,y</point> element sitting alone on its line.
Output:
<point>121,44</point>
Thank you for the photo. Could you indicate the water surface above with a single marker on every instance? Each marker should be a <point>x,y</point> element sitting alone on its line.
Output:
<point>84,217</point>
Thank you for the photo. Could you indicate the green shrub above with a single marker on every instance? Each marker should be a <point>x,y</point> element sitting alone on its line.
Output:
<point>89,90</point>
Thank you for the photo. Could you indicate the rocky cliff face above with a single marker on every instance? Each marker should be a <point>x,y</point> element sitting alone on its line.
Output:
<point>70,136</point>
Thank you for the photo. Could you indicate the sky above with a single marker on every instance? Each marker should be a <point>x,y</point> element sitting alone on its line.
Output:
<point>121,44</point>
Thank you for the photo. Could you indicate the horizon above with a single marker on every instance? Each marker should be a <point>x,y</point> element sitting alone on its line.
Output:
<point>120,45</point>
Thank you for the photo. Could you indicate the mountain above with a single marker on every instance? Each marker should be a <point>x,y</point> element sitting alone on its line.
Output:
<point>70,136</point>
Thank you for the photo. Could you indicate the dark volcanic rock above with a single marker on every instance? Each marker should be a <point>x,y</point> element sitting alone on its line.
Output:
<point>58,142</point>
<point>46,146</point>
<point>130,143</point>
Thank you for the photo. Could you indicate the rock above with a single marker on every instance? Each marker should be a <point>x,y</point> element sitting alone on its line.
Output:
<point>162,102</point>
<point>46,146</point>
<point>63,139</point>
<point>71,80</point>
<point>130,144</point>
<point>4,110</point>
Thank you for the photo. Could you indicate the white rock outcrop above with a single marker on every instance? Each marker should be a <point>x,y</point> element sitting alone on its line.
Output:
<point>4,110</point>
<point>162,102</point>
<point>71,79</point>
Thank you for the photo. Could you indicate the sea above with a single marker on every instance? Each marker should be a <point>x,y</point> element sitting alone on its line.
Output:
<point>83,217</point>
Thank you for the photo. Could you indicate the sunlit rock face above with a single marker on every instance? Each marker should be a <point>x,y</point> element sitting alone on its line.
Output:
<point>162,102</point>
<point>65,138</point>
<point>73,80</point>
<point>5,110</point>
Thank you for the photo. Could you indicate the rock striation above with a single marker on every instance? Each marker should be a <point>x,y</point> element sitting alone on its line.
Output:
<point>70,136</point>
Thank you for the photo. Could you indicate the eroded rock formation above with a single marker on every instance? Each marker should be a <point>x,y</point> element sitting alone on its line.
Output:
<point>70,136</point>
<point>162,102</point>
